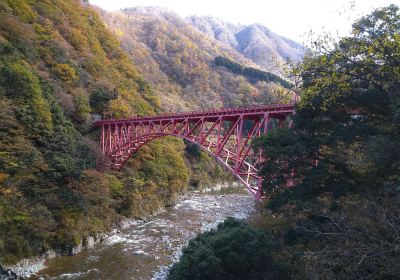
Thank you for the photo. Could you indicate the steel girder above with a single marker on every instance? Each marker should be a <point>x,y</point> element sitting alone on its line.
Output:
<point>226,134</point>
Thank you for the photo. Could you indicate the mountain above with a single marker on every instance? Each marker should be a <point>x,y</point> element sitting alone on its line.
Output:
<point>255,41</point>
<point>178,61</point>
<point>217,29</point>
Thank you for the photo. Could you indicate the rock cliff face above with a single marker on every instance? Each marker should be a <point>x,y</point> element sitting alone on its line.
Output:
<point>255,41</point>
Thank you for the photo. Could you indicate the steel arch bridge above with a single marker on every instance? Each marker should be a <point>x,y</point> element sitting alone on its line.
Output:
<point>226,134</point>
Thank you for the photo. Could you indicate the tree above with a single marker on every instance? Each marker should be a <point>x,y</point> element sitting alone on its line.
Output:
<point>82,107</point>
<point>344,210</point>
<point>100,97</point>
<point>251,73</point>
<point>347,118</point>
<point>232,251</point>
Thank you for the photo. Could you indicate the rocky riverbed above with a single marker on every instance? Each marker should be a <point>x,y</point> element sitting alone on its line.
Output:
<point>146,249</point>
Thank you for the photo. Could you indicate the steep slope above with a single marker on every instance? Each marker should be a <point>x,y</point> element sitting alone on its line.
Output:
<point>178,60</point>
<point>216,28</point>
<point>255,41</point>
<point>59,68</point>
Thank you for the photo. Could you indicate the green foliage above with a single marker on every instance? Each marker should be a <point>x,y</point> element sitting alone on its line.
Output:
<point>65,72</point>
<point>116,186</point>
<point>23,9</point>
<point>82,107</point>
<point>343,153</point>
<point>21,83</point>
<point>285,150</point>
<point>64,149</point>
<point>205,170</point>
<point>345,119</point>
<point>231,65</point>
<point>100,97</point>
<point>232,251</point>
<point>119,108</point>
<point>251,73</point>
<point>161,163</point>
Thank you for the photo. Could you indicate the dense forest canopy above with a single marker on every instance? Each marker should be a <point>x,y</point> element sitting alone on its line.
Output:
<point>250,72</point>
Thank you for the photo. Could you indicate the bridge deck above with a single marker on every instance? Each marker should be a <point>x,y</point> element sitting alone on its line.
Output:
<point>208,115</point>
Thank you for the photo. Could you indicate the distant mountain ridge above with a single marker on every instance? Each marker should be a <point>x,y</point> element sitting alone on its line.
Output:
<point>178,61</point>
<point>254,41</point>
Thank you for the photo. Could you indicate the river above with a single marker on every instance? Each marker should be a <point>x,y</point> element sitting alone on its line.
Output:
<point>147,248</point>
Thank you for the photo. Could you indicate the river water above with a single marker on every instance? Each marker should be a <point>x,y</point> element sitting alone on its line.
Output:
<point>146,249</point>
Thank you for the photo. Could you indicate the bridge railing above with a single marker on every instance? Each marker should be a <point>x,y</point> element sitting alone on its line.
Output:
<point>241,109</point>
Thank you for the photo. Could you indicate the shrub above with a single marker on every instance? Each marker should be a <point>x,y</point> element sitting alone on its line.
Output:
<point>100,98</point>
<point>22,9</point>
<point>78,40</point>
<point>22,84</point>
<point>65,72</point>
<point>232,251</point>
<point>82,108</point>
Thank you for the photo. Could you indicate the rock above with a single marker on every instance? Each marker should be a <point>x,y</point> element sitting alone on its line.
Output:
<point>77,249</point>
<point>50,255</point>
<point>90,242</point>
<point>7,274</point>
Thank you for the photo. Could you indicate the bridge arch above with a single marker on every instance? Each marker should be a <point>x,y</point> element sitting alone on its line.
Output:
<point>150,137</point>
<point>225,134</point>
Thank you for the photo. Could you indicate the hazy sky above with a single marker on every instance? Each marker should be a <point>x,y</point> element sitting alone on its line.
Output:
<point>290,18</point>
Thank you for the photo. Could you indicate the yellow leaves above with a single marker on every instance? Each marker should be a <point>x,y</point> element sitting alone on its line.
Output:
<point>163,26</point>
<point>65,73</point>
<point>22,8</point>
<point>119,32</point>
<point>3,177</point>
<point>2,39</point>
<point>95,65</point>
<point>115,185</point>
<point>78,40</point>
<point>5,190</point>
<point>119,108</point>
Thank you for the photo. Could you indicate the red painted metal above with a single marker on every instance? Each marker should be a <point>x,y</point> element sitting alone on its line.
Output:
<point>226,134</point>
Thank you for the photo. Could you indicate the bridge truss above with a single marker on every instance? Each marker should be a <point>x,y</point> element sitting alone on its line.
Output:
<point>226,134</point>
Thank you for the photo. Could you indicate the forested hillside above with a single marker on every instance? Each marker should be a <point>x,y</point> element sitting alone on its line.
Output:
<point>60,68</point>
<point>250,73</point>
<point>256,42</point>
<point>178,60</point>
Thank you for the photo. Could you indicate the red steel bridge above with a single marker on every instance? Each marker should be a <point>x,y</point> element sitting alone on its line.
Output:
<point>226,134</point>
